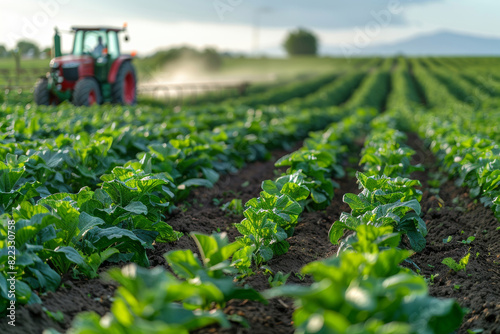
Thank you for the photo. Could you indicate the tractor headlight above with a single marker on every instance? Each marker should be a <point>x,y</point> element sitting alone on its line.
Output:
<point>54,64</point>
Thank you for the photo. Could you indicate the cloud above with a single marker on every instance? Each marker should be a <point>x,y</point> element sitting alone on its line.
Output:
<point>324,14</point>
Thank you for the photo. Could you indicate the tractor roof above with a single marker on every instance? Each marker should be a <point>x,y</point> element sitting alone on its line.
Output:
<point>98,29</point>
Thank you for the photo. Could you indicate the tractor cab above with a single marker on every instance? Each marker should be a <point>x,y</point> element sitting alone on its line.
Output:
<point>94,72</point>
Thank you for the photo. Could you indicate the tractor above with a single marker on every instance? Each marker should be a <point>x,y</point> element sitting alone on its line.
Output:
<point>95,72</point>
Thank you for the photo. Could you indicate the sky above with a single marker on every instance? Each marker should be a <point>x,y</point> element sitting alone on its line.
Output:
<point>247,26</point>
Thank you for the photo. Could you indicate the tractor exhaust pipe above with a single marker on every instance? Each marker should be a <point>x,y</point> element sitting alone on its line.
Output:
<point>57,44</point>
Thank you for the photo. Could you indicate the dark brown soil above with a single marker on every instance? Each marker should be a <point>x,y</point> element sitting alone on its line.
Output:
<point>453,213</point>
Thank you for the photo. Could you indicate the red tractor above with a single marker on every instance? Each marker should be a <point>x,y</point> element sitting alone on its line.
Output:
<point>95,72</point>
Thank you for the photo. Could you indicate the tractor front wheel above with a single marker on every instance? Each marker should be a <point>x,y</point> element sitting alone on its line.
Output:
<point>124,89</point>
<point>41,93</point>
<point>87,92</point>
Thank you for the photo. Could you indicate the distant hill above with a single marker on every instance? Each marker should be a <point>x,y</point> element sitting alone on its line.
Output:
<point>441,43</point>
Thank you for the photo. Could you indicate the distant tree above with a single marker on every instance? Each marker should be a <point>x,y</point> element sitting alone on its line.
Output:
<point>301,42</point>
<point>28,48</point>
<point>3,51</point>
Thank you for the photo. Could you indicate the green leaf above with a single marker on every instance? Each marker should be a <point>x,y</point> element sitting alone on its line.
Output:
<point>243,257</point>
<point>99,239</point>
<point>137,208</point>
<point>356,203</point>
<point>184,263</point>
<point>71,255</point>
<point>280,248</point>
<point>196,183</point>
<point>336,232</point>
<point>87,222</point>
<point>266,253</point>
<point>295,191</point>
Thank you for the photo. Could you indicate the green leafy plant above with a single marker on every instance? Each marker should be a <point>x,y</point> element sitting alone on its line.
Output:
<point>457,266</point>
<point>469,240</point>
<point>432,278</point>
<point>384,202</point>
<point>360,291</point>
<point>262,239</point>
<point>212,268</point>
<point>25,257</point>
<point>384,153</point>
<point>12,190</point>
<point>317,166</point>
<point>57,316</point>
<point>270,220</point>
<point>153,301</point>
<point>278,280</point>
<point>234,207</point>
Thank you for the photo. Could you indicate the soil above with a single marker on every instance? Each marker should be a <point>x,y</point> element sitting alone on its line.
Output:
<point>451,212</point>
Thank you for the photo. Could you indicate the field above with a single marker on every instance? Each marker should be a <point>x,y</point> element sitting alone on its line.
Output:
<point>360,197</point>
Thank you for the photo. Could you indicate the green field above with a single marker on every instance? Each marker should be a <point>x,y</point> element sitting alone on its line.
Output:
<point>236,69</point>
<point>379,212</point>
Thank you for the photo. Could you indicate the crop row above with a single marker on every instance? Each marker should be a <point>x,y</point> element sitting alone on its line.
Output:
<point>336,92</point>
<point>462,138</point>
<point>299,88</point>
<point>472,158</point>
<point>403,93</point>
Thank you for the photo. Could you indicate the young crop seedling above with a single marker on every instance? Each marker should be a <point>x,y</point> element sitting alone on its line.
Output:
<point>432,278</point>
<point>234,207</point>
<point>278,280</point>
<point>57,316</point>
<point>457,266</point>
<point>469,240</point>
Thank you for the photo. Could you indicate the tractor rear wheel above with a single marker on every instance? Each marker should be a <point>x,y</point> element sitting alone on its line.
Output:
<point>124,90</point>
<point>41,93</point>
<point>87,92</point>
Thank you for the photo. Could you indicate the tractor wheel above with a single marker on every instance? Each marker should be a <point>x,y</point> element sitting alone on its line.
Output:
<point>124,90</point>
<point>41,93</point>
<point>87,92</point>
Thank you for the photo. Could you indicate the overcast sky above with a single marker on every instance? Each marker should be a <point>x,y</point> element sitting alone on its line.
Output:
<point>230,24</point>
